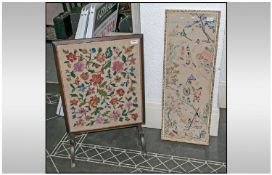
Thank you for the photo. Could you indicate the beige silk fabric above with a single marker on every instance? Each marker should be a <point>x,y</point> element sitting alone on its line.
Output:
<point>189,61</point>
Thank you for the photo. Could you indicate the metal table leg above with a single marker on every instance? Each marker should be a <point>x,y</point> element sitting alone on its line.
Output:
<point>72,150</point>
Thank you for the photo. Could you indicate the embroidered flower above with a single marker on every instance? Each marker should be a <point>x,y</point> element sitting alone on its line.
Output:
<point>84,76</point>
<point>71,57</point>
<point>93,101</point>
<point>81,87</point>
<point>77,81</point>
<point>91,90</point>
<point>81,111</point>
<point>120,106</point>
<point>74,102</point>
<point>96,79</point>
<point>113,101</point>
<point>100,57</point>
<point>117,66</point>
<point>99,119</point>
<point>109,88</point>
<point>134,116</point>
<point>80,122</point>
<point>93,50</point>
<point>117,79</point>
<point>115,115</point>
<point>132,61</point>
<point>120,92</point>
<point>132,69</point>
<point>129,104</point>
<point>79,66</point>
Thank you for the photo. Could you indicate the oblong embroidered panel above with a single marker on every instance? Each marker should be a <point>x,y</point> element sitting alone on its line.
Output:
<point>101,82</point>
<point>189,61</point>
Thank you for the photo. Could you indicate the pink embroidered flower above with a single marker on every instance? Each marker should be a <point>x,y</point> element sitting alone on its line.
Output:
<point>117,66</point>
<point>84,76</point>
<point>99,119</point>
<point>96,79</point>
<point>81,111</point>
<point>91,90</point>
<point>115,115</point>
<point>100,57</point>
<point>120,92</point>
<point>109,88</point>
<point>71,57</point>
<point>79,66</point>
<point>74,102</point>
<point>80,122</point>
<point>134,116</point>
<point>128,104</point>
<point>113,101</point>
<point>132,61</point>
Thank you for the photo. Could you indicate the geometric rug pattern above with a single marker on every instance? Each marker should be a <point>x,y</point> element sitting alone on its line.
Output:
<point>52,98</point>
<point>153,162</point>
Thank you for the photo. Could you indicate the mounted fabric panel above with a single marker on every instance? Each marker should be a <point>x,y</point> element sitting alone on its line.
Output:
<point>101,82</point>
<point>189,63</point>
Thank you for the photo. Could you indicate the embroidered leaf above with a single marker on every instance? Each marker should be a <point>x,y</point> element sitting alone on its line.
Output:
<point>91,71</point>
<point>133,81</point>
<point>73,95</point>
<point>106,121</point>
<point>99,50</point>
<point>106,65</point>
<point>131,110</point>
<point>124,74</point>
<point>135,105</point>
<point>124,59</point>
<point>66,61</point>
<point>72,86</point>
<point>103,84</point>
<point>121,119</point>
<point>124,113</point>
<point>81,95</point>
<point>111,93</point>
<point>82,103</point>
<point>108,52</point>
<point>97,110</point>
<point>73,74</point>
<point>129,98</point>
<point>105,113</point>
<point>65,51</point>
<point>91,123</point>
<point>113,84</point>
<point>102,92</point>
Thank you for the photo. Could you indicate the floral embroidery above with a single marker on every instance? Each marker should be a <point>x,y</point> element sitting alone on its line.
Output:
<point>74,102</point>
<point>96,79</point>
<point>71,57</point>
<point>103,85</point>
<point>84,76</point>
<point>120,92</point>
<point>117,66</point>
<point>188,76</point>
<point>79,66</point>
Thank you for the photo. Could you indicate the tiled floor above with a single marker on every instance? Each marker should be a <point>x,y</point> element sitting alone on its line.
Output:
<point>118,151</point>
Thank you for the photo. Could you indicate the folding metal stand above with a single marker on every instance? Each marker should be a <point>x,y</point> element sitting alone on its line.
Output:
<point>140,134</point>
